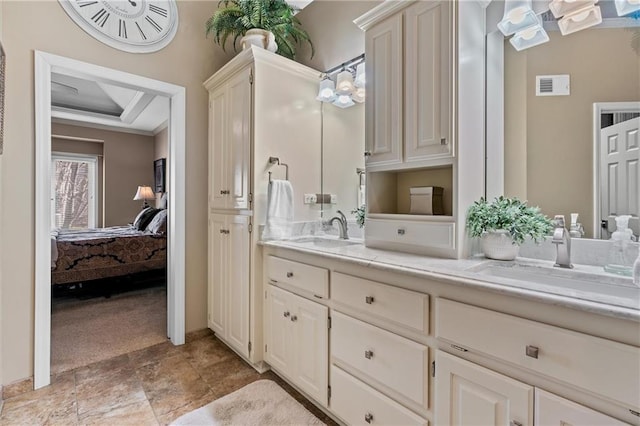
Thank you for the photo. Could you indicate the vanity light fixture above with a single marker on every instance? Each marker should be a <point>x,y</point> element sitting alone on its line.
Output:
<point>358,95</point>
<point>345,83</point>
<point>343,101</point>
<point>327,91</point>
<point>360,79</point>
<point>625,7</point>
<point>580,19</point>
<point>529,37</point>
<point>560,8</point>
<point>346,90</point>
<point>518,15</point>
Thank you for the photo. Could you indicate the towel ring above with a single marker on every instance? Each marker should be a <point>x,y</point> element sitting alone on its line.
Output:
<point>276,161</point>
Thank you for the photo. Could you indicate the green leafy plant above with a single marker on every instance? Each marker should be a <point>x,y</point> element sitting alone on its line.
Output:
<point>235,17</point>
<point>508,214</point>
<point>360,213</point>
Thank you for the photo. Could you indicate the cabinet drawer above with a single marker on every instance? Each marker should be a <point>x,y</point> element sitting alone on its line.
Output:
<point>305,277</point>
<point>604,367</point>
<point>405,307</point>
<point>399,363</point>
<point>551,409</point>
<point>415,236</point>
<point>358,404</point>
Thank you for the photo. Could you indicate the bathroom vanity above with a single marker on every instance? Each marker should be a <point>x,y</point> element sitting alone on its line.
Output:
<point>404,339</point>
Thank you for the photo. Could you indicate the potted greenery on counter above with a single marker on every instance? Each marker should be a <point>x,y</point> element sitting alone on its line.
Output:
<point>272,20</point>
<point>503,225</point>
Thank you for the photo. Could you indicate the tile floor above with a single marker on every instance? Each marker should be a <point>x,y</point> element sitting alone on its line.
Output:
<point>151,386</point>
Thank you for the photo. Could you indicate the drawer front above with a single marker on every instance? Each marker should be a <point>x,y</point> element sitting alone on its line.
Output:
<point>305,277</point>
<point>604,367</point>
<point>399,363</point>
<point>359,404</point>
<point>551,409</point>
<point>440,235</point>
<point>405,307</point>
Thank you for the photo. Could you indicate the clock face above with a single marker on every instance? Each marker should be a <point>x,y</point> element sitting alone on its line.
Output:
<point>136,26</point>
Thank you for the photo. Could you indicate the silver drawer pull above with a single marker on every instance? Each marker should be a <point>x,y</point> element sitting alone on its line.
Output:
<point>286,314</point>
<point>289,274</point>
<point>514,423</point>
<point>400,231</point>
<point>224,192</point>
<point>368,354</point>
<point>532,351</point>
<point>368,417</point>
<point>294,318</point>
<point>369,300</point>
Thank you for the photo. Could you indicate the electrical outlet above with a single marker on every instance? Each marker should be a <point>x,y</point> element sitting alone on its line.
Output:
<point>310,198</point>
<point>334,199</point>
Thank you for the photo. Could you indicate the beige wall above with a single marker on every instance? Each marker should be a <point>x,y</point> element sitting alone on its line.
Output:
<point>1,222</point>
<point>559,134</point>
<point>187,61</point>
<point>128,162</point>
<point>161,150</point>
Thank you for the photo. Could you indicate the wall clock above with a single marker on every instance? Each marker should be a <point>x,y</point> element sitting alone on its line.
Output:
<point>137,26</point>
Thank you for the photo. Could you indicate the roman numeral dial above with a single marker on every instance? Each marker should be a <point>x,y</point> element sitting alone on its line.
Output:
<point>129,25</point>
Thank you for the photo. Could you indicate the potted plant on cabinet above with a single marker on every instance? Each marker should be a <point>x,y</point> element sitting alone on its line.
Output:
<point>503,225</point>
<point>267,23</point>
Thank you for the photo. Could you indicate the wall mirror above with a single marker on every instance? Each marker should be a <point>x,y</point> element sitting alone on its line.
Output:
<point>553,147</point>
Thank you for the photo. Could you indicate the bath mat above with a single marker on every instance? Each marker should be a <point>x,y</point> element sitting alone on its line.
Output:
<point>259,403</point>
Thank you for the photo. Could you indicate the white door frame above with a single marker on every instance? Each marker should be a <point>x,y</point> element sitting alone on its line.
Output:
<point>45,64</point>
<point>600,108</point>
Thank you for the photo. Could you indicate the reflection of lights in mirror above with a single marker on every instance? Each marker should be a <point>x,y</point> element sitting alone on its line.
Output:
<point>348,87</point>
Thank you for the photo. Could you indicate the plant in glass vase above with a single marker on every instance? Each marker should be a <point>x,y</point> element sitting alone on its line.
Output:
<point>503,225</point>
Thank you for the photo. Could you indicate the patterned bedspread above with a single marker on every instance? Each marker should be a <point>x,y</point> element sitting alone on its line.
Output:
<point>90,254</point>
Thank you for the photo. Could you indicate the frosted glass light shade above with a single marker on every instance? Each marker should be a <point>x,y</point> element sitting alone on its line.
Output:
<point>327,91</point>
<point>358,95</point>
<point>625,7</point>
<point>518,15</point>
<point>580,19</point>
<point>530,37</point>
<point>559,8</point>
<point>345,83</point>
<point>360,76</point>
<point>343,101</point>
<point>144,193</point>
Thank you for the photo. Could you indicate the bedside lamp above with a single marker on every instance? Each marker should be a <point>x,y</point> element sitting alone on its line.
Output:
<point>144,193</point>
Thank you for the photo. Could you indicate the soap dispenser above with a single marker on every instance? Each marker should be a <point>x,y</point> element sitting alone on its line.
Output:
<point>619,250</point>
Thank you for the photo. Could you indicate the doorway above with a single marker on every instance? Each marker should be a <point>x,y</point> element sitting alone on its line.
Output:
<point>45,65</point>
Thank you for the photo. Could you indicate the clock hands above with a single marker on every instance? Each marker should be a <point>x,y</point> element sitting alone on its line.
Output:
<point>133,3</point>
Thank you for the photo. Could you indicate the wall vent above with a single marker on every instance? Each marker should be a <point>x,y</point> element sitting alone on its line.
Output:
<point>552,85</point>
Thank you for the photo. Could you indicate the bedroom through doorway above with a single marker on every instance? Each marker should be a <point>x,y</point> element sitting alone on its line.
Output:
<point>109,214</point>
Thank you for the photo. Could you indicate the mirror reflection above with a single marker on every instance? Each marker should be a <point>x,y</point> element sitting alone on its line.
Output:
<point>558,153</point>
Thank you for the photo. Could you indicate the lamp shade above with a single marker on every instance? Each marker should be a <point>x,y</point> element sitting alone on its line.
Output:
<point>144,193</point>
<point>343,101</point>
<point>518,15</point>
<point>559,8</point>
<point>530,37</point>
<point>358,95</point>
<point>360,76</point>
<point>327,91</point>
<point>625,7</point>
<point>580,19</point>
<point>345,83</point>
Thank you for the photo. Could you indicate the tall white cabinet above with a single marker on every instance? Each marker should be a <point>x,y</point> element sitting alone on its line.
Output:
<point>250,120</point>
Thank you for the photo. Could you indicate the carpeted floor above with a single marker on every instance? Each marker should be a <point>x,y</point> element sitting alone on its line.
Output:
<point>86,331</point>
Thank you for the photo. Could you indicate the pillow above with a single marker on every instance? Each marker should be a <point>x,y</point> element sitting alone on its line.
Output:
<point>164,201</point>
<point>136,221</point>
<point>158,224</point>
<point>146,217</point>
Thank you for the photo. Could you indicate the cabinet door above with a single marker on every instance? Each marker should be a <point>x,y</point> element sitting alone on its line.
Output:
<point>239,139</point>
<point>237,288</point>
<point>278,330</point>
<point>552,410</point>
<point>383,107</point>
<point>311,348</point>
<point>467,394</point>
<point>217,274</point>
<point>427,70</point>
<point>218,166</point>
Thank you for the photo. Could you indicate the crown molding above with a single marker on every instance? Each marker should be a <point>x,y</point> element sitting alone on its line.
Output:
<point>380,12</point>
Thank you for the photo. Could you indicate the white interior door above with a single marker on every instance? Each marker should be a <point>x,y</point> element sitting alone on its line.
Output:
<point>620,169</point>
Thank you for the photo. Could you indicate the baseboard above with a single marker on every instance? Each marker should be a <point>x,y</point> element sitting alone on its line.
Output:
<point>16,388</point>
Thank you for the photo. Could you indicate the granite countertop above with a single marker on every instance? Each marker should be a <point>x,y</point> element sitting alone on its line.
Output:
<point>593,290</point>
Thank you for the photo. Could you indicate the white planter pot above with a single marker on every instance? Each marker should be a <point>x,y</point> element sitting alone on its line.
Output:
<point>499,245</point>
<point>261,38</point>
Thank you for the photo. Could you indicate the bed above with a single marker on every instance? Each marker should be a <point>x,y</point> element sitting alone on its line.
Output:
<point>89,254</point>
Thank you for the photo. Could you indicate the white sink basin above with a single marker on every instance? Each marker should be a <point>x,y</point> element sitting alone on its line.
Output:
<point>326,242</point>
<point>582,282</point>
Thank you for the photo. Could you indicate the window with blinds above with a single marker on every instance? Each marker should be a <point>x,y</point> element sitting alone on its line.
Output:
<point>73,191</point>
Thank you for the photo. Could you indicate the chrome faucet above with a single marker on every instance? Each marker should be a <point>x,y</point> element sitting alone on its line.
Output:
<point>562,240</point>
<point>342,224</point>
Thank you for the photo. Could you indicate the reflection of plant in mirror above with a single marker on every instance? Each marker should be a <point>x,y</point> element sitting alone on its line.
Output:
<point>509,214</point>
<point>359,212</point>
<point>635,38</point>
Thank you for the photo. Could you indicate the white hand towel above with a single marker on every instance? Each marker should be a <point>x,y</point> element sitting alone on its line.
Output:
<point>279,211</point>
